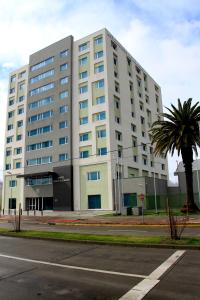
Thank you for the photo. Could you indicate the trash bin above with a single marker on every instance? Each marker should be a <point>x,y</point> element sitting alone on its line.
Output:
<point>137,211</point>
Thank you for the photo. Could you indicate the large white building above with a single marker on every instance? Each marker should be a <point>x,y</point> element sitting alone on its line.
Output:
<point>88,109</point>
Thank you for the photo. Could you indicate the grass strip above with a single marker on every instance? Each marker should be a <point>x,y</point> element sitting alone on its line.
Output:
<point>121,239</point>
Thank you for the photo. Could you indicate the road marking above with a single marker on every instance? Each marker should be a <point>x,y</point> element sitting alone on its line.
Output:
<point>72,267</point>
<point>142,288</point>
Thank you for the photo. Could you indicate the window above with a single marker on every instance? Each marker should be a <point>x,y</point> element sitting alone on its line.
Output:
<point>22,74</point>
<point>115,59</point>
<point>83,47</point>
<point>64,53</point>
<point>141,106</point>
<point>18,150</point>
<point>116,87</point>
<point>39,180</point>
<point>99,84</point>
<point>63,124</point>
<point>84,137</point>
<point>42,64</point>
<point>10,114</point>
<point>64,80</point>
<point>39,161</point>
<point>21,98</point>
<point>42,89</point>
<point>102,151</point>
<point>83,104</point>
<point>143,134</point>
<point>84,154</point>
<point>63,67</point>
<point>94,201</point>
<point>117,103</point>
<point>12,183</point>
<point>9,139</point>
<point>42,116</point>
<point>41,102</point>
<point>8,166</point>
<point>83,75</point>
<point>38,146</point>
<point>114,45</point>
<point>8,152</point>
<point>18,165</point>
<point>63,156</point>
<point>12,90</point>
<point>20,123</point>
<point>98,40</point>
<point>100,100</point>
<point>10,126</point>
<point>83,89</point>
<point>144,147</point>
<point>20,111</point>
<point>63,109</point>
<point>163,167</point>
<point>137,69</point>
<point>142,120</point>
<point>40,130</point>
<point>19,137</point>
<point>118,135</point>
<point>135,158</point>
<point>117,119</point>
<point>41,76</point>
<point>98,54</point>
<point>147,98</point>
<point>63,94</point>
<point>133,127</point>
<point>11,102</point>
<point>13,78</point>
<point>99,69</point>
<point>83,120</point>
<point>100,116</point>
<point>83,61</point>
<point>101,133</point>
<point>63,140</point>
<point>93,175</point>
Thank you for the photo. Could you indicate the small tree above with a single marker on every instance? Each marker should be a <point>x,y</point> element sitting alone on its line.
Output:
<point>179,131</point>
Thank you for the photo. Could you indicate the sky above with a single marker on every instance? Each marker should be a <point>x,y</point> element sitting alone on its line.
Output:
<point>162,35</point>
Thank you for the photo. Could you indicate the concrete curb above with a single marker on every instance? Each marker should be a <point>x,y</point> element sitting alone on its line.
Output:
<point>161,246</point>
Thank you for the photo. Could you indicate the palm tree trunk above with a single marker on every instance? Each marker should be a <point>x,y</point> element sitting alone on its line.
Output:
<point>187,156</point>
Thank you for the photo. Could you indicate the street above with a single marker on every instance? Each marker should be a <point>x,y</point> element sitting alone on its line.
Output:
<point>38,269</point>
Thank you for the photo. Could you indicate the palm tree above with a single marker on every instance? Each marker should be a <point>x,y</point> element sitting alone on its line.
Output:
<point>179,131</point>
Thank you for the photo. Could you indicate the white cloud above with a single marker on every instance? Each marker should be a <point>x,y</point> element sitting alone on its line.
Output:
<point>162,35</point>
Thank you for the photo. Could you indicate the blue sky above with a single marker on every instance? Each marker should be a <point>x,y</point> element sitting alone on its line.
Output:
<point>164,36</point>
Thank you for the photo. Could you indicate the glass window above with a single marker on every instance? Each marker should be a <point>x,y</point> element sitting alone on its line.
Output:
<point>84,137</point>
<point>93,175</point>
<point>11,102</point>
<point>63,124</point>
<point>42,89</point>
<point>42,64</point>
<point>63,94</point>
<point>99,84</point>
<point>8,166</point>
<point>39,161</point>
<point>41,145</point>
<point>18,150</point>
<point>63,109</point>
<point>101,116</point>
<point>8,152</point>
<point>18,165</point>
<point>40,130</point>
<point>9,139</point>
<point>10,126</point>
<point>41,102</point>
<point>83,104</point>
<point>20,123</point>
<point>100,100</point>
<point>84,154</point>
<point>98,54</point>
<point>19,137</point>
<point>83,89</point>
<point>101,133</point>
<point>20,110</point>
<point>21,98</point>
<point>83,75</point>
<point>10,114</point>
<point>41,76</point>
<point>63,156</point>
<point>13,78</point>
<point>63,140</point>
<point>99,69</point>
<point>64,53</point>
<point>98,40</point>
<point>12,90</point>
<point>102,151</point>
<point>83,61</point>
<point>63,67</point>
<point>12,183</point>
<point>83,120</point>
<point>83,47</point>
<point>64,80</point>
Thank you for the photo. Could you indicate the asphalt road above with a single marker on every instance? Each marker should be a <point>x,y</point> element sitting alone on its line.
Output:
<point>118,230</point>
<point>38,269</point>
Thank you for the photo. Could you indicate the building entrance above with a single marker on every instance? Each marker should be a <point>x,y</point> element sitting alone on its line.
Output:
<point>39,203</point>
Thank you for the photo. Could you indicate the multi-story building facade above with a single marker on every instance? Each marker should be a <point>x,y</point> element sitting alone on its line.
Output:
<point>89,107</point>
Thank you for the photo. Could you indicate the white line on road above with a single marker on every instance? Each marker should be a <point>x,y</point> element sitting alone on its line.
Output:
<point>142,288</point>
<point>72,267</point>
